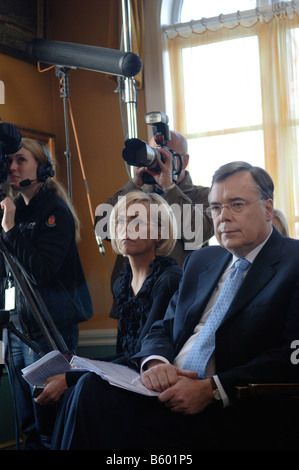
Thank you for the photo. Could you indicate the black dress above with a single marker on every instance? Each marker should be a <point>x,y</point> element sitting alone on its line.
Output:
<point>137,313</point>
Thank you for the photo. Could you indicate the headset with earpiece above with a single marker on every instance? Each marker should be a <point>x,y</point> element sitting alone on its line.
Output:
<point>45,170</point>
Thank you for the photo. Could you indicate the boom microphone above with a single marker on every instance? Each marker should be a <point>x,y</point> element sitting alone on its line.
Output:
<point>99,59</point>
<point>26,182</point>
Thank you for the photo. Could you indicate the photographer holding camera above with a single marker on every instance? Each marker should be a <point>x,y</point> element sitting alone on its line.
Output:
<point>179,191</point>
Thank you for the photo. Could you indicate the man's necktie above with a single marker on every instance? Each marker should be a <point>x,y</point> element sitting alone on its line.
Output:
<point>204,345</point>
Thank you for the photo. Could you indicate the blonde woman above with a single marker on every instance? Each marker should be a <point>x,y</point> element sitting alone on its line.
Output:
<point>40,228</point>
<point>143,229</point>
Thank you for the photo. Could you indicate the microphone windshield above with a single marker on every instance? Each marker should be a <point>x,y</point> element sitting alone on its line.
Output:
<point>81,56</point>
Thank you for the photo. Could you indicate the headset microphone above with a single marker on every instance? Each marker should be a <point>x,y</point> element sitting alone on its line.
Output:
<point>27,182</point>
<point>44,170</point>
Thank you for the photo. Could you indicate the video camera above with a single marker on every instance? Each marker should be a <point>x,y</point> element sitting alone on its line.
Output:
<point>10,142</point>
<point>139,153</point>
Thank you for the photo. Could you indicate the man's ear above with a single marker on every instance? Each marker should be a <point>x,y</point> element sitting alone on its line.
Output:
<point>185,161</point>
<point>269,209</point>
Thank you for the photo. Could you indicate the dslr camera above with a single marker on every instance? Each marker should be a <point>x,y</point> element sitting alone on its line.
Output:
<point>139,153</point>
<point>10,142</point>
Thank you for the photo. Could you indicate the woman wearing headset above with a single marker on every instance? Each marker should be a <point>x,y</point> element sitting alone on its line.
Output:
<point>40,230</point>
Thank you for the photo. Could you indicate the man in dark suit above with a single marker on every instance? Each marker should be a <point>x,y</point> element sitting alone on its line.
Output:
<point>252,343</point>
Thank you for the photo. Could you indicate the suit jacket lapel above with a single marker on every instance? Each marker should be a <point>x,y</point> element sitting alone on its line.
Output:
<point>206,283</point>
<point>259,275</point>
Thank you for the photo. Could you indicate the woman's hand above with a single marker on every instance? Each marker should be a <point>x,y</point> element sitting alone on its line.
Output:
<point>55,386</point>
<point>9,210</point>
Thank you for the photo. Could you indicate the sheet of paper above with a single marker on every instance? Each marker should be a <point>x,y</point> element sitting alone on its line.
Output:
<point>116,374</point>
<point>51,364</point>
<point>55,363</point>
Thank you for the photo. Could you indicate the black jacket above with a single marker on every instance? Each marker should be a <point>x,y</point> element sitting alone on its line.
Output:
<point>42,243</point>
<point>137,313</point>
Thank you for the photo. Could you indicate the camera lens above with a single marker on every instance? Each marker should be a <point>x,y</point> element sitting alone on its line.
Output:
<point>139,153</point>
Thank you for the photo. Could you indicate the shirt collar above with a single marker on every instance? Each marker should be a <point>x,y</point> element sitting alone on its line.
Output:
<point>252,254</point>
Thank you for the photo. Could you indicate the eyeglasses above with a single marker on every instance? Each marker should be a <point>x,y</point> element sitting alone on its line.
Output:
<point>235,207</point>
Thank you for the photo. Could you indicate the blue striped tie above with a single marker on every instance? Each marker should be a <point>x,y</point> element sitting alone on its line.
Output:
<point>201,351</point>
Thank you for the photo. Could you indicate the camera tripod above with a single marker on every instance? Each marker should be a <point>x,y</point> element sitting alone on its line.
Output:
<point>38,308</point>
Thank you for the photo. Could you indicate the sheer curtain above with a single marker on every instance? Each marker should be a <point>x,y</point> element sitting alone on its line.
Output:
<point>277,33</point>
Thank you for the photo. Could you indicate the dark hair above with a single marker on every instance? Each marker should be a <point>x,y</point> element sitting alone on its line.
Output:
<point>264,182</point>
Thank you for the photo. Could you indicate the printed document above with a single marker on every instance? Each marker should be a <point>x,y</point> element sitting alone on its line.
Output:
<point>55,363</point>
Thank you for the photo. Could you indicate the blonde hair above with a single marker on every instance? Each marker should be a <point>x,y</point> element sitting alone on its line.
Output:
<point>165,217</point>
<point>42,155</point>
<point>282,222</point>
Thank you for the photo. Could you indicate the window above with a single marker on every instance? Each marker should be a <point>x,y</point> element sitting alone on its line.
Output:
<point>222,95</point>
<point>235,88</point>
<point>223,107</point>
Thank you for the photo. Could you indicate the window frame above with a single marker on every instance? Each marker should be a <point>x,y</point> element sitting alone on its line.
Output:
<point>157,14</point>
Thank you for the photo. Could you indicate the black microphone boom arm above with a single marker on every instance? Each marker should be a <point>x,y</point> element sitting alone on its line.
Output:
<point>81,56</point>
